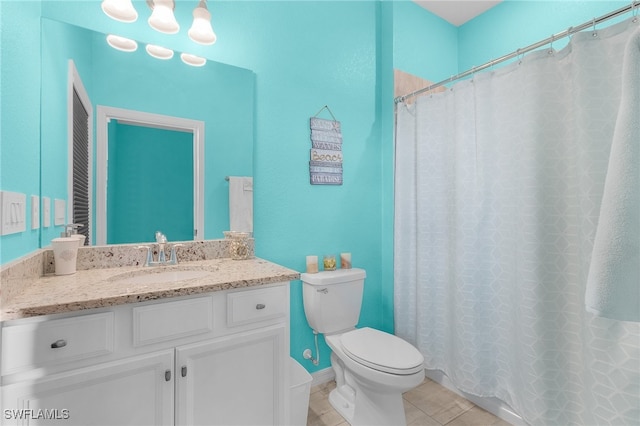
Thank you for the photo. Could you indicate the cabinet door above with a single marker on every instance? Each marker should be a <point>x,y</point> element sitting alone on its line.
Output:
<point>235,380</point>
<point>134,391</point>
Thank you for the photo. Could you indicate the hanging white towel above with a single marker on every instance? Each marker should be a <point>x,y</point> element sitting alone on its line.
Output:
<point>613,284</point>
<point>240,203</point>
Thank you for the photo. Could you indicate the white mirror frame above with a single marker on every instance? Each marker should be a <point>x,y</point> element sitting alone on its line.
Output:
<point>106,114</point>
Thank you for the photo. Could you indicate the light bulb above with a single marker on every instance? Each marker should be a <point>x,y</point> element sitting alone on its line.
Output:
<point>193,60</point>
<point>162,18</point>
<point>201,30</point>
<point>159,51</point>
<point>121,43</point>
<point>120,10</point>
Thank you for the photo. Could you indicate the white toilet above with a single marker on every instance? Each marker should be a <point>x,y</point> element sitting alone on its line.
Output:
<point>372,368</point>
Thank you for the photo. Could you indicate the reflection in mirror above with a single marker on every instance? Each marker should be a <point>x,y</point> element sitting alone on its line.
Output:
<point>219,96</point>
<point>154,170</point>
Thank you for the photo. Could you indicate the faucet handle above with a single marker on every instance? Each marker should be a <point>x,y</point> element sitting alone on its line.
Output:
<point>173,260</point>
<point>160,238</point>
<point>149,254</point>
<point>70,229</point>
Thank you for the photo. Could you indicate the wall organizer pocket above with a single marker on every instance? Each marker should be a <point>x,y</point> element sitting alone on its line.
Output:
<point>325,166</point>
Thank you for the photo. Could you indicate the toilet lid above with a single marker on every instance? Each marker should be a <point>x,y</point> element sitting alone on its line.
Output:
<point>382,351</point>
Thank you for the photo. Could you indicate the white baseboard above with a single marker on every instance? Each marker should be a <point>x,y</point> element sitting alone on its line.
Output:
<point>322,376</point>
<point>495,406</point>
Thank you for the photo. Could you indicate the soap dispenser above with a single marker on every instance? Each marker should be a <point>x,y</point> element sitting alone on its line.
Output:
<point>71,231</point>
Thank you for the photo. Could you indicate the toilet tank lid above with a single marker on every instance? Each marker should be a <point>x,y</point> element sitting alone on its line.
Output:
<point>334,277</point>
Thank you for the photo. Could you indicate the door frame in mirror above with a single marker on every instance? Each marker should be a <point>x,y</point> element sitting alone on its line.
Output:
<point>104,115</point>
<point>74,84</point>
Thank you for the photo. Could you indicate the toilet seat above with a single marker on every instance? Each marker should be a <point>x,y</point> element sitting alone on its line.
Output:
<point>382,351</point>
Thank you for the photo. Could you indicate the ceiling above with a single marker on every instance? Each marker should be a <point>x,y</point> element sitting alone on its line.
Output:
<point>457,12</point>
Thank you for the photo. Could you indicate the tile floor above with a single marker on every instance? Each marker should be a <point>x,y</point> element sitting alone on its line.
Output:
<point>430,404</point>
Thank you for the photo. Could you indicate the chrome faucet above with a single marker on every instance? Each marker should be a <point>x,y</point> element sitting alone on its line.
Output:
<point>70,229</point>
<point>161,241</point>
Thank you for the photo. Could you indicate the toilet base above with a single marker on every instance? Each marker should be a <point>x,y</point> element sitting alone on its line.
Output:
<point>367,397</point>
<point>368,409</point>
<point>341,404</point>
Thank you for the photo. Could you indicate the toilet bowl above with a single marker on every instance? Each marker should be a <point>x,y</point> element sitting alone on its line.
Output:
<point>372,368</point>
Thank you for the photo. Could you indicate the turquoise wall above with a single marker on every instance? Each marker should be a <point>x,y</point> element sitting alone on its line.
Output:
<point>63,42</point>
<point>423,44</point>
<point>150,185</point>
<point>515,24</point>
<point>20,114</point>
<point>307,55</point>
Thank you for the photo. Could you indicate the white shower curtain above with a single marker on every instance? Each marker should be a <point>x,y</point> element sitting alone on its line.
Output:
<point>499,182</point>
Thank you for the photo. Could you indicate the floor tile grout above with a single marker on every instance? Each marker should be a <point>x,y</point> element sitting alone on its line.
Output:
<point>429,404</point>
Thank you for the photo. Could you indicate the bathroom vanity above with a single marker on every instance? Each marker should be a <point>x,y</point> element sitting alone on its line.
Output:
<point>105,347</point>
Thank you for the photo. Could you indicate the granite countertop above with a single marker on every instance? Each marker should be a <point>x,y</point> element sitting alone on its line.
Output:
<point>95,288</point>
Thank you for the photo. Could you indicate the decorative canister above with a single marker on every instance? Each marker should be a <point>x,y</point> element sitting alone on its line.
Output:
<point>65,254</point>
<point>329,262</point>
<point>239,244</point>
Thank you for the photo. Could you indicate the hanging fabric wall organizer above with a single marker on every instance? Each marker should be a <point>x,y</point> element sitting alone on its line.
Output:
<point>325,164</point>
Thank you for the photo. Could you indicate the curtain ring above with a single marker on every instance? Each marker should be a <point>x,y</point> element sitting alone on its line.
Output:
<point>634,11</point>
<point>553,37</point>
<point>594,33</point>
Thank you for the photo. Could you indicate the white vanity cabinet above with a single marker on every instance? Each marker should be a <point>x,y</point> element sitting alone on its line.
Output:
<point>232,381</point>
<point>211,359</point>
<point>132,392</point>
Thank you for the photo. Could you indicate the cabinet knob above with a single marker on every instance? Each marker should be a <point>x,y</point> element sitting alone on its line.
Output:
<point>167,375</point>
<point>260,306</point>
<point>59,344</point>
<point>183,371</point>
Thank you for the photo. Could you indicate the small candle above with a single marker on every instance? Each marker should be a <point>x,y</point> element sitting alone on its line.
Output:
<point>312,264</point>
<point>345,260</point>
<point>329,262</point>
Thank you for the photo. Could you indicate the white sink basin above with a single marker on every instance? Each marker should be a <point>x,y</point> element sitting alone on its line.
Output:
<point>159,276</point>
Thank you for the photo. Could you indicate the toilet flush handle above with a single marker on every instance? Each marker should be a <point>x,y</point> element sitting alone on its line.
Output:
<point>323,290</point>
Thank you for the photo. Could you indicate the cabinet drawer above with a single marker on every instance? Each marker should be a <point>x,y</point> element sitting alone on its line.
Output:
<point>256,305</point>
<point>172,320</point>
<point>39,344</point>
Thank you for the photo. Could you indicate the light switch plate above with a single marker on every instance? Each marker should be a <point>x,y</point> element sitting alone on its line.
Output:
<point>46,212</point>
<point>58,212</point>
<point>14,212</point>
<point>35,212</point>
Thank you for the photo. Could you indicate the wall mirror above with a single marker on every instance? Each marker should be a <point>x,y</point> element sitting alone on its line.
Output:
<point>219,96</point>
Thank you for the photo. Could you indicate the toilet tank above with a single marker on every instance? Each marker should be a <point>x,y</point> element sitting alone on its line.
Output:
<point>332,299</point>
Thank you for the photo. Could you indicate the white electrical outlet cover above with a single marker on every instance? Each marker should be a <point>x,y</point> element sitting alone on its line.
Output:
<point>58,212</point>
<point>35,212</point>
<point>14,212</point>
<point>46,212</point>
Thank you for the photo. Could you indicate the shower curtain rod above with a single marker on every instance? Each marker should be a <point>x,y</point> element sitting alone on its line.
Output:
<point>571,30</point>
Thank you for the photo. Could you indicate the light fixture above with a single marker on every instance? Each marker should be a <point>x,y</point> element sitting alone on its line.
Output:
<point>121,43</point>
<point>120,10</point>
<point>193,60</point>
<point>162,18</point>
<point>201,30</point>
<point>159,51</point>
